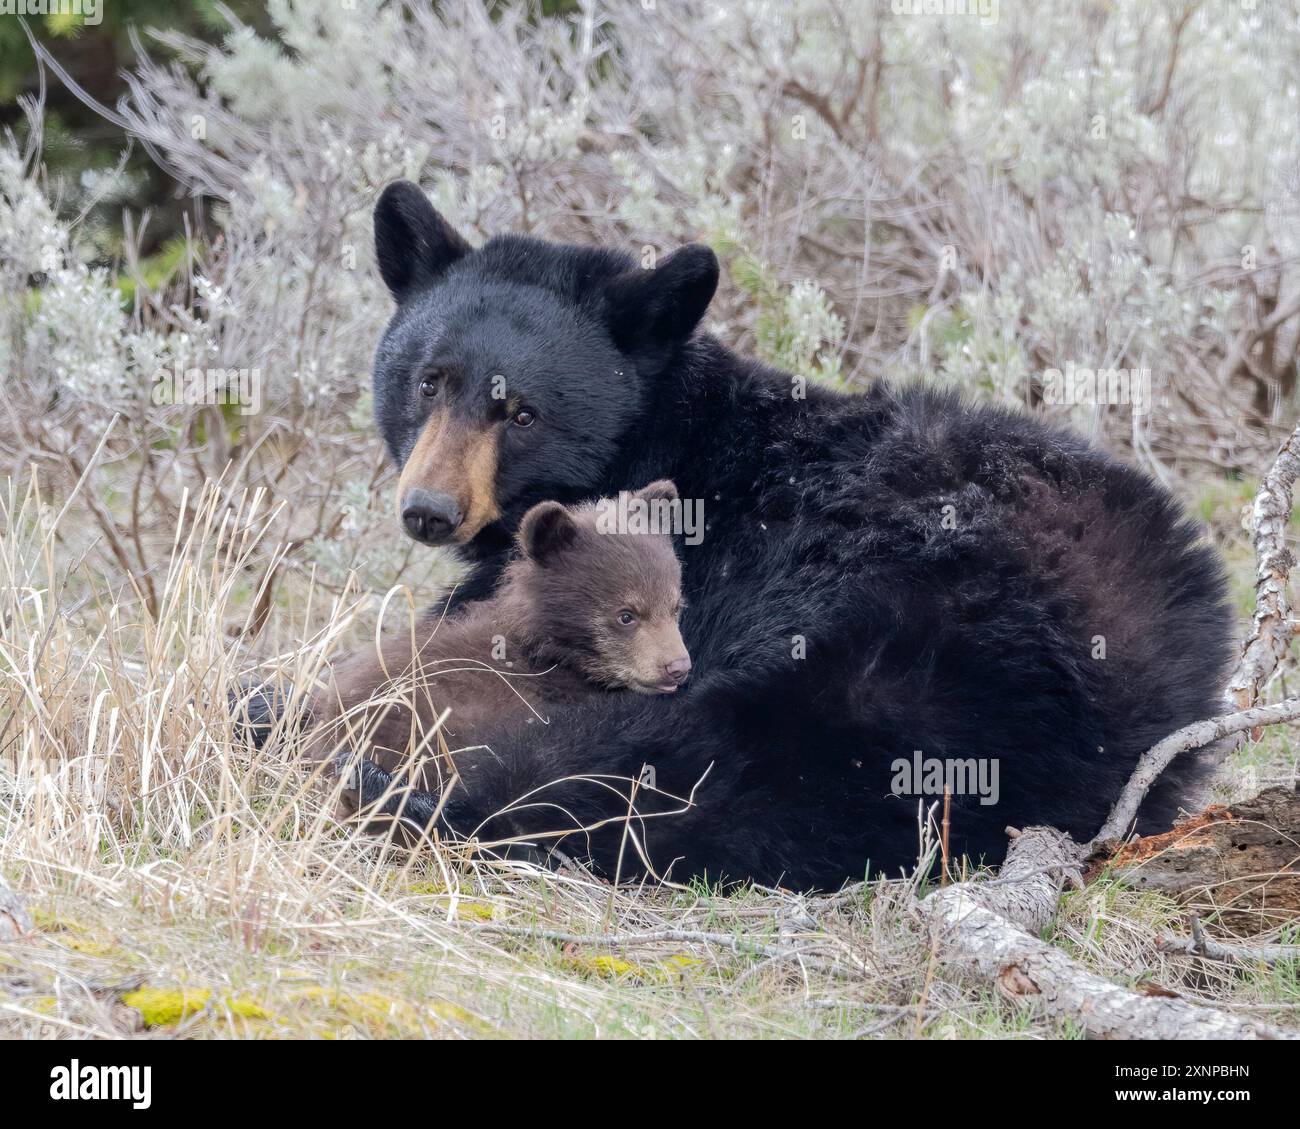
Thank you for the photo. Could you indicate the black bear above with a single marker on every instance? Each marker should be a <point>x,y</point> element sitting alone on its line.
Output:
<point>587,608</point>
<point>884,580</point>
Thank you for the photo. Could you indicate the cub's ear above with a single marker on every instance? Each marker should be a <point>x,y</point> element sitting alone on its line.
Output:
<point>653,310</point>
<point>662,489</point>
<point>413,243</point>
<point>547,529</point>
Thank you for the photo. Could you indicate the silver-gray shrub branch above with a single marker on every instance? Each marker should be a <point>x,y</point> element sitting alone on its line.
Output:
<point>832,201</point>
<point>960,216</point>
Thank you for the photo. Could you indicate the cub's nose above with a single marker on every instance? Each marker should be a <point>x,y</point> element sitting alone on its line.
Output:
<point>428,517</point>
<point>676,671</point>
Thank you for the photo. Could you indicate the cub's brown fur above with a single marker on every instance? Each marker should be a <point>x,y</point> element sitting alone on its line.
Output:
<point>581,612</point>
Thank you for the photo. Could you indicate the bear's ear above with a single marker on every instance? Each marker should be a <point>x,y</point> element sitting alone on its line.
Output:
<point>652,310</point>
<point>662,489</point>
<point>413,243</point>
<point>547,529</point>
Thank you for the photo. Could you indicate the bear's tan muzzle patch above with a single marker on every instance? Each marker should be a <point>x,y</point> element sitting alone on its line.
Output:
<point>460,461</point>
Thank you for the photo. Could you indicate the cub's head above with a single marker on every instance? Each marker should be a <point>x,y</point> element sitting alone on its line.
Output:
<point>606,601</point>
<point>510,373</point>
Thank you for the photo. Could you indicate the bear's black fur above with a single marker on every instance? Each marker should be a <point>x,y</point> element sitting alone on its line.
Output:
<point>881,573</point>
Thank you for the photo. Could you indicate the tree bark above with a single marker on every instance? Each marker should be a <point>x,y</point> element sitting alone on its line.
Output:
<point>1236,867</point>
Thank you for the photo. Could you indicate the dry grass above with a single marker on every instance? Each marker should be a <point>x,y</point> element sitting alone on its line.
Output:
<point>183,884</point>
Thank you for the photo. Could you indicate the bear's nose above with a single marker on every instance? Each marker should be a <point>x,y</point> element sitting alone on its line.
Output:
<point>428,517</point>
<point>677,670</point>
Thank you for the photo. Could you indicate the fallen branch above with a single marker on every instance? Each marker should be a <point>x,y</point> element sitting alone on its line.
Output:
<point>992,934</point>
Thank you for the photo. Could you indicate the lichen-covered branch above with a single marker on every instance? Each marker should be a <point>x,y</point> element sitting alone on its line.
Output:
<point>1270,635</point>
<point>990,932</point>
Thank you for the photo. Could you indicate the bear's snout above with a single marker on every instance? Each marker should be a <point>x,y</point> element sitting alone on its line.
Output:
<point>428,517</point>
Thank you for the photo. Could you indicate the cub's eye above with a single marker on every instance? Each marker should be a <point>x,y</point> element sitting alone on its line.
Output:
<point>524,417</point>
<point>627,618</point>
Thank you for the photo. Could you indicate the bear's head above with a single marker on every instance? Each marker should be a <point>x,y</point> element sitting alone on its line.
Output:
<point>605,596</point>
<point>510,374</point>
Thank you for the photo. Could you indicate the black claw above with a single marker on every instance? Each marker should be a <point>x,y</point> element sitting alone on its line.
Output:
<point>377,794</point>
<point>256,708</point>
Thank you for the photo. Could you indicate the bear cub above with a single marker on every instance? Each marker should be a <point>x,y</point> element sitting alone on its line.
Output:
<point>582,611</point>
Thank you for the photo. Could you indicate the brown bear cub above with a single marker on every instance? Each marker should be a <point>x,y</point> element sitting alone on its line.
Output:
<point>583,611</point>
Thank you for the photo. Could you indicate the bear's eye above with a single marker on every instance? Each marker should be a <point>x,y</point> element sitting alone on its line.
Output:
<point>627,618</point>
<point>429,382</point>
<point>524,417</point>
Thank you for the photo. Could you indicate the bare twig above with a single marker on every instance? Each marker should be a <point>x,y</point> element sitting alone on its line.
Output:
<point>946,828</point>
<point>1198,944</point>
<point>1195,736</point>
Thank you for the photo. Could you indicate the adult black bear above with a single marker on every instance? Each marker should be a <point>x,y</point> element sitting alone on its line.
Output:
<point>880,574</point>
